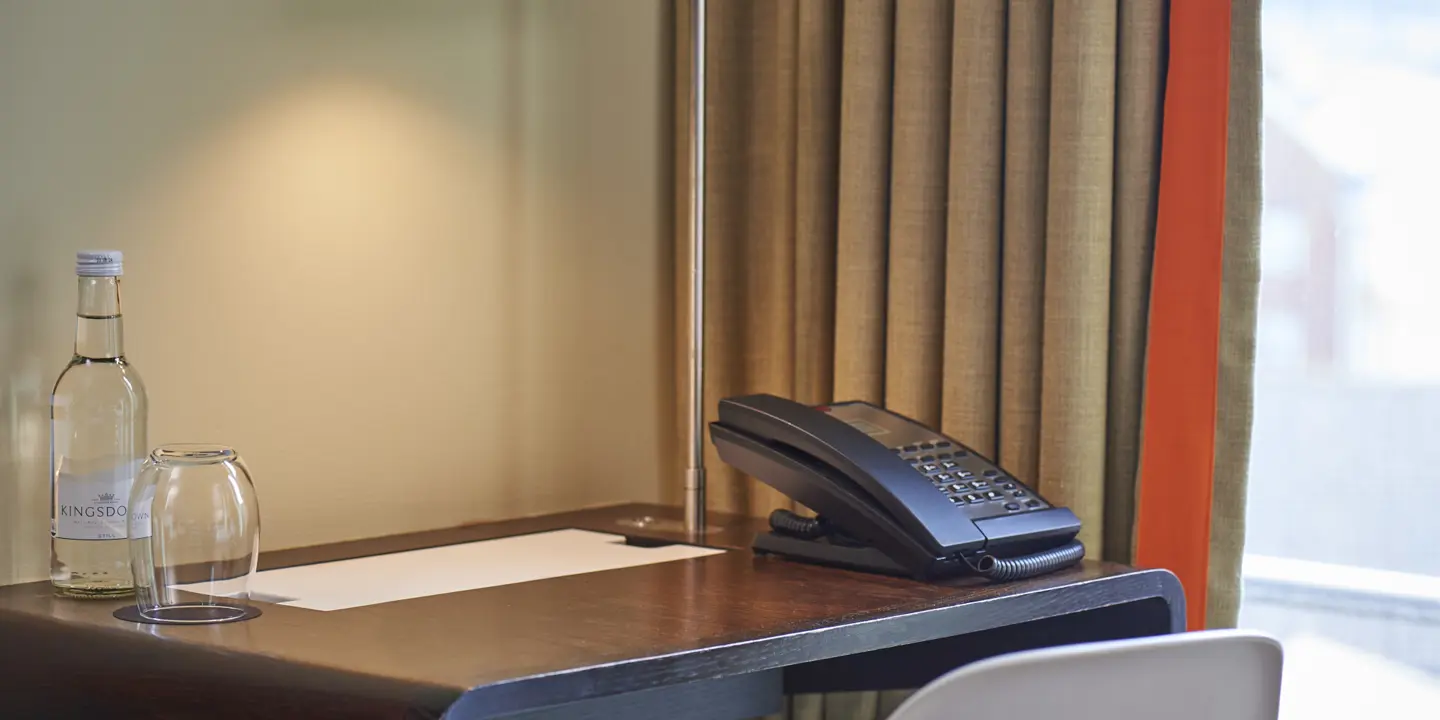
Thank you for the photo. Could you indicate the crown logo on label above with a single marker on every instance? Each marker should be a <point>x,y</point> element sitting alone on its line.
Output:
<point>106,497</point>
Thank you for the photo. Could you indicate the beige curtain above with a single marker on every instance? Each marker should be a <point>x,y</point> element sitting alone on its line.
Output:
<point>1239,296</point>
<point>948,207</point>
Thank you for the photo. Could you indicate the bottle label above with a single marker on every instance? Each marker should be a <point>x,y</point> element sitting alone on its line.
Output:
<point>139,515</point>
<point>93,506</point>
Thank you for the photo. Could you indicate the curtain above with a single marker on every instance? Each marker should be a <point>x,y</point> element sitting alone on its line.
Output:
<point>1239,297</point>
<point>947,207</point>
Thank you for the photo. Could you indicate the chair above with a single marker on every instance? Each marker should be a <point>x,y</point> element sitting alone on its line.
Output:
<point>1209,675</point>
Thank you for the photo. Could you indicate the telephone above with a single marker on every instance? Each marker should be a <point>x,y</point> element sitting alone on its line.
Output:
<point>891,495</point>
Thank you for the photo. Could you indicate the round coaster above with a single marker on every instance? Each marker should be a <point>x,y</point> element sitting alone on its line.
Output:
<point>190,614</point>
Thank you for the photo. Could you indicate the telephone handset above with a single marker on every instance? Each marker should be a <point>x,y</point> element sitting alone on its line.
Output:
<point>891,495</point>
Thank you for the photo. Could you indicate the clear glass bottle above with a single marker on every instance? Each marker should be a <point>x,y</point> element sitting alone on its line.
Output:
<point>97,442</point>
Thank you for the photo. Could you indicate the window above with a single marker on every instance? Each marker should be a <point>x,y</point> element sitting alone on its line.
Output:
<point>1343,545</point>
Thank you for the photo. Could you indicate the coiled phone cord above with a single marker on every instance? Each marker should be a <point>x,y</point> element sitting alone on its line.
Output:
<point>786,522</point>
<point>1024,566</point>
<point>789,523</point>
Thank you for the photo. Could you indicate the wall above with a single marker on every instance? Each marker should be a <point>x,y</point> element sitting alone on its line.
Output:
<point>407,257</point>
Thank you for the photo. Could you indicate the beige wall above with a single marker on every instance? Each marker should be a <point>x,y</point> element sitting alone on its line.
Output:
<point>405,256</point>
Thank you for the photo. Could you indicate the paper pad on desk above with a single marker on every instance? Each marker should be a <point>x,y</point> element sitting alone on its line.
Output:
<point>453,568</point>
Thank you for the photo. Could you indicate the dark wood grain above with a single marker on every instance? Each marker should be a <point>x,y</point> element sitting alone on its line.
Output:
<point>517,647</point>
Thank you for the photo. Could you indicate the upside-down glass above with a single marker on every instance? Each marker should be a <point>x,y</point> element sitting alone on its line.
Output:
<point>194,535</point>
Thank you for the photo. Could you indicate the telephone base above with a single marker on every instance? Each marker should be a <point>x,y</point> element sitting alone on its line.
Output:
<point>824,552</point>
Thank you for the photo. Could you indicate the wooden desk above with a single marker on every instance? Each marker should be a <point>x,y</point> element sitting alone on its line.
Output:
<point>719,636</point>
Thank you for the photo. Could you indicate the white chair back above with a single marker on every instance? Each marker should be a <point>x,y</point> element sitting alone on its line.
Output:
<point>1209,675</point>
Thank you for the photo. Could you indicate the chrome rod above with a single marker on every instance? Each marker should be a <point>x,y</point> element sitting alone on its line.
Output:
<point>695,453</point>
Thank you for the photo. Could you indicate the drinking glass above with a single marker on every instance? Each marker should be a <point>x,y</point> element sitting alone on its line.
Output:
<point>194,533</point>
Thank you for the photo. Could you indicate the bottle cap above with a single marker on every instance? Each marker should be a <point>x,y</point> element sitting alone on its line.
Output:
<point>99,263</point>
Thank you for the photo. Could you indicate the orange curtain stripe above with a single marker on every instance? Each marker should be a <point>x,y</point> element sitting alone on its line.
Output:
<point>1178,443</point>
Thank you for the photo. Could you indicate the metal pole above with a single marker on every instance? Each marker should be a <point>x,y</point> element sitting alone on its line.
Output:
<point>695,454</point>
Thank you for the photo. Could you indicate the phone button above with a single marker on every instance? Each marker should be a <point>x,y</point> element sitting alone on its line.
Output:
<point>980,484</point>
<point>927,446</point>
<point>947,465</point>
<point>1012,507</point>
<point>973,498</point>
<point>1032,503</point>
<point>1018,493</point>
<point>927,469</point>
<point>928,458</point>
<point>943,478</point>
<point>993,495</point>
<point>943,444</point>
<point>990,473</point>
<point>910,448</point>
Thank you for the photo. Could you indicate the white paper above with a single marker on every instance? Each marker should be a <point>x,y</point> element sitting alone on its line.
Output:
<point>453,568</point>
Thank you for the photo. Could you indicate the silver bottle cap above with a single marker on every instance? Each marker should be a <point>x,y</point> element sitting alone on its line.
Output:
<point>99,263</point>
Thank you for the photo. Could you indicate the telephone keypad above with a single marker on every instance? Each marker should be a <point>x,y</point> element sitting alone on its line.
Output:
<point>969,482</point>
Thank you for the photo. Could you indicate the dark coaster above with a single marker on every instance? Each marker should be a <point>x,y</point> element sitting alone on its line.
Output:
<point>190,614</point>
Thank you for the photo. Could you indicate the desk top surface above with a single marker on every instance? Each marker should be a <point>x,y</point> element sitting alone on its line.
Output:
<point>580,636</point>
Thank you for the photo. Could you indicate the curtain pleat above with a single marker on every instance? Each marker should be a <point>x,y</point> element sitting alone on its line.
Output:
<point>1239,297</point>
<point>770,262</point>
<point>920,136</point>
<point>1075,357</point>
<point>1139,99</point>
<point>1022,279</point>
<point>728,174</point>
<point>750,221</point>
<point>817,177</point>
<point>864,194</point>
<point>969,390</point>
